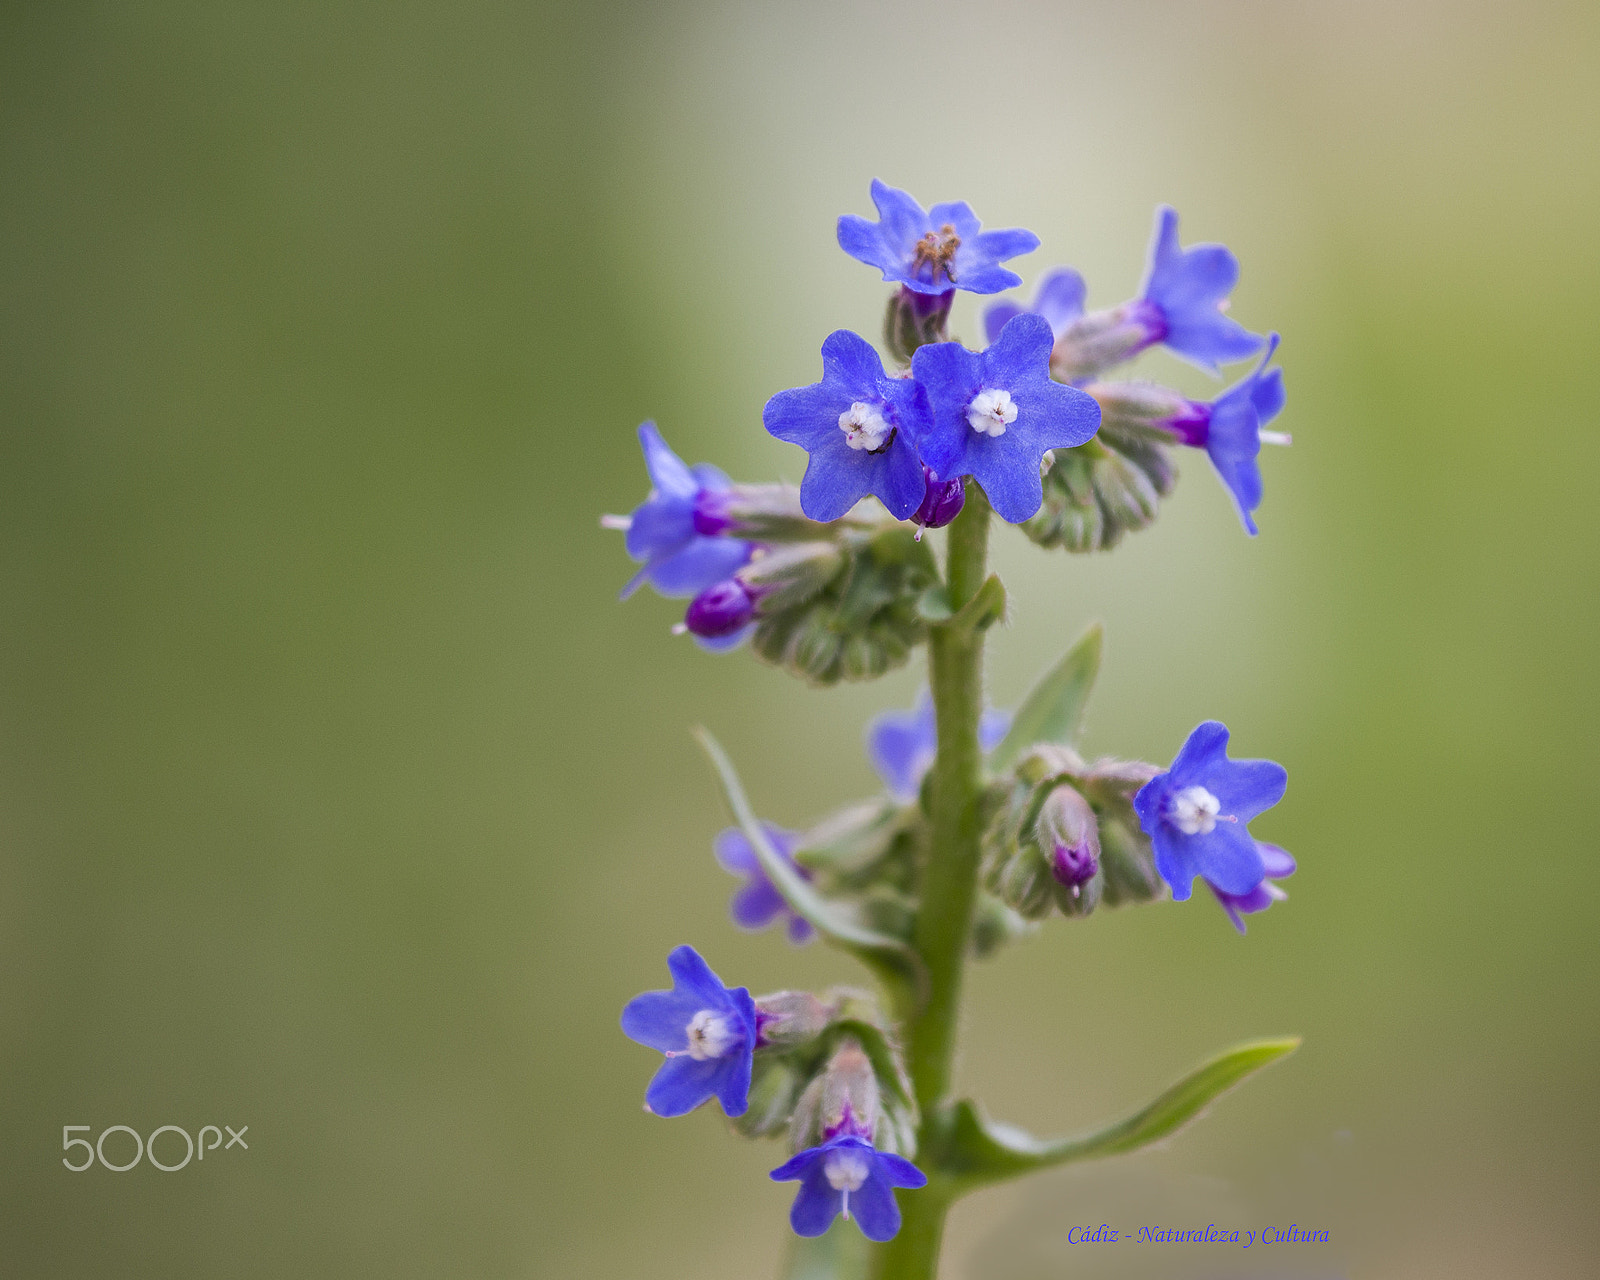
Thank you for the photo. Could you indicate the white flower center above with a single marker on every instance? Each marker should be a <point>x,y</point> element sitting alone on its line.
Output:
<point>991,412</point>
<point>845,1170</point>
<point>710,1036</point>
<point>1194,811</point>
<point>864,427</point>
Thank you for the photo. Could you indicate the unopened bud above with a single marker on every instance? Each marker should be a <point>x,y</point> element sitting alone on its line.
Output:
<point>941,503</point>
<point>1101,339</point>
<point>787,1018</point>
<point>914,320</point>
<point>788,576</point>
<point>756,512</point>
<point>849,1102</point>
<point>817,647</point>
<point>862,658</point>
<point>1127,862</point>
<point>773,1085</point>
<point>1125,491</point>
<point>720,610</point>
<point>1024,883</point>
<point>1144,410</point>
<point>994,924</point>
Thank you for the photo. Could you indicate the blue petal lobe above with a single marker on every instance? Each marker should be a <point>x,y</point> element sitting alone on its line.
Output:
<point>900,1172</point>
<point>692,976</point>
<point>995,317</point>
<point>667,471</point>
<point>796,1165</point>
<point>1275,860</point>
<point>659,527</point>
<point>1226,856</point>
<point>873,1207</point>
<point>1060,298</point>
<point>692,569</point>
<point>816,1204</point>
<point>660,1019</point>
<point>682,1084</point>
<point>992,728</point>
<point>733,852</point>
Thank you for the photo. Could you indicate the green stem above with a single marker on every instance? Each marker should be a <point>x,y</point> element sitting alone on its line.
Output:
<point>949,884</point>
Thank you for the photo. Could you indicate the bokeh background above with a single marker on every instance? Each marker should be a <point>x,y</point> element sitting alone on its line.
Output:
<point>340,798</point>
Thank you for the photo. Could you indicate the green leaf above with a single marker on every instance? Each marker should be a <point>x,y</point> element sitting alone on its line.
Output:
<point>933,605</point>
<point>1053,709</point>
<point>896,965</point>
<point>987,606</point>
<point>840,1253</point>
<point>979,1151</point>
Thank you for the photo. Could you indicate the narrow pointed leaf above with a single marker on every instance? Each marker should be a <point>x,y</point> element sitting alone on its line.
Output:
<point>1053,709</point>
<point>980,1151</point>
<point>893,961</point>
<point>987,606</point>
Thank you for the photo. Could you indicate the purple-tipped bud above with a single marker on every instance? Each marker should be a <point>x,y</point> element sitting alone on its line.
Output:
<point>941,503</point>
<point>788,1018</point>
<point>1073,865</point>
<point>915,319</point>
<point>1069,836</point>
<point>849,1102</point>
<point>720,610</point>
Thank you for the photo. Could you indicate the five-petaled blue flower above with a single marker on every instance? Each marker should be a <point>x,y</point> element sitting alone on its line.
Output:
<point>933,251</point>
<point>1229,430</point>
<point>996,413</point>
<point>1059,299</point>
<point>674,531</point>
<point>848,1175</point>
<point>1277,863</point>
<point>860,428</point>
<point>902,744</point>
<point>707,1031</point>
<point>759,903</point>
<point>1183,295</point>
<point>1196,814</point>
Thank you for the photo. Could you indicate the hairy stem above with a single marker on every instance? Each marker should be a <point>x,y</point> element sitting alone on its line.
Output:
<point>949,884</point>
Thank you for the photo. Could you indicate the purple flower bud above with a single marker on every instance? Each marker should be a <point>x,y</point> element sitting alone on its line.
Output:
<point>942,502</point>
<point>1074,865</point>
<point>720,610</point>
<point>1070,836</point>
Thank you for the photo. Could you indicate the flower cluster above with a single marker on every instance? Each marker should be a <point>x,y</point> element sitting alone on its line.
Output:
<point>909,437</point>
<point>828,587</point>
<point>1116,484</point>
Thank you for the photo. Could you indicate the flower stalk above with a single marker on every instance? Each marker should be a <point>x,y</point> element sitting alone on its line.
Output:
<point>950,883</point>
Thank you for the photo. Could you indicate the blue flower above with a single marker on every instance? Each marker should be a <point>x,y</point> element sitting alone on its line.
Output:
<point>1233,435</point>
<point>848,1175</point>
<point>707,1031</point>
<point>671,531</point>
<point>1196,814</point>
<point>902,744</point>
<point>860,428</point>
<point>934,251</point>
<point>1184,291</point>
<point>759,903</point>
<point>995,414</point>
<point>1059,299</point>
<point>1277,863</point>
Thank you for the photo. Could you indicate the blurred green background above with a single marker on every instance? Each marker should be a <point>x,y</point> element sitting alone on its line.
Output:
<point>339,797</point>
